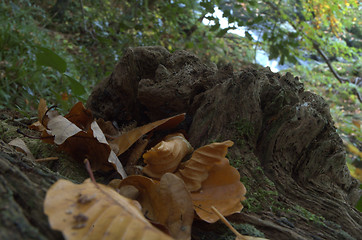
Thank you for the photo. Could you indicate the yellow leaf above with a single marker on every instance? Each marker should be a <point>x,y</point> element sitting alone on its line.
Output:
<point>89,211</point>
<point>196,169</point>
<point>167,202</point>
<point>166,155</point>
<point>221,189</point>
<point>353,149</point>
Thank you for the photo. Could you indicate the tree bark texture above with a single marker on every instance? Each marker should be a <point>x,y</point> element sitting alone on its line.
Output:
<point>285,139</point>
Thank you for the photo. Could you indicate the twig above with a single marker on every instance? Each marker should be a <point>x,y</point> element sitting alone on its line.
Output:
<point>226,222</point>
<point>46,159</point>
<point>90,172</point>
<point>320,52</point>
<point>28,136</point>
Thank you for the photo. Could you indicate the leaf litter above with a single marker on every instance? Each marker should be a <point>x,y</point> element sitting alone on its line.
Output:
<point>133,208</point>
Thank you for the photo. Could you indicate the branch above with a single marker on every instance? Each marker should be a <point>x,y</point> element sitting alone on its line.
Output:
<point>320,52</point>
<point>326,59</point>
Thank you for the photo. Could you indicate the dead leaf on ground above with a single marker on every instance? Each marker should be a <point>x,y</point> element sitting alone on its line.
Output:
<point>42,108</point>
<point>127,139</point>
<point>20,146</point>
<point>221,189</point>
<point>80,136</point>
<point>166,155</point>
<point>85,211</point>
<point>135,155</point>
<point>167,202</point>
<point>196,169</point>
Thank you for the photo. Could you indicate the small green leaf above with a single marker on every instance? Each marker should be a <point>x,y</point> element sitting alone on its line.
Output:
<point>248,36</point>
<point>76,87</point>
<point>215,27</point>
<point>48,58</point>
<point>222,32</point>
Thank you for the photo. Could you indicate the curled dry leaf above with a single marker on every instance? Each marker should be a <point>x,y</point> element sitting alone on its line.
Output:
<point>196,169</point>
<point>221,189</point>
<point>167,202</point>
<point>20,146</point>
<point>127,139</point>
<point>89,211</point>
<point>166,155</point>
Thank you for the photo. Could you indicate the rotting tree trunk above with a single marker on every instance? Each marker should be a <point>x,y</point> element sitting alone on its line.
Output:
<point>287,150</point>
<point>23,185</point>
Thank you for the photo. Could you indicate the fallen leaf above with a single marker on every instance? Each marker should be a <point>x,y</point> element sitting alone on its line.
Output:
<point>135,155</point>
<point>61,128</point>
<point>167,202</point>
<point>42,108</point>
<point>89,211</point>
<point>166,155</point>
<point>196,169</point>
<point>20,146</point>
<point>221,189</point>
<point>81,137</point>
<point>107,127</point>
<point>127,139</point>
<point>80,116</point>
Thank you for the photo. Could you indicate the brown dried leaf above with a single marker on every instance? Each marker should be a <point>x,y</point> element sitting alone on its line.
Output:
<point>80,136</point>
<point>80,116</point>
<point>196,169</point>
<point>89,211</point>
<point>221,189</point>
<point>127,139</point>
<point>135,155</point>
<point>42,109</point>
<point>166,155</point>
<point>167,202</point>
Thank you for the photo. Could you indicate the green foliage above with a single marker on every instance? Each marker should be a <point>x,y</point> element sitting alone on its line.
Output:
<point>244,130</point>
<point>359,203</point>
<point>32,64</point>
<point>308,215</point>
<point>289,28</point>
<point>48,58</point>
<point>244,229</point>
